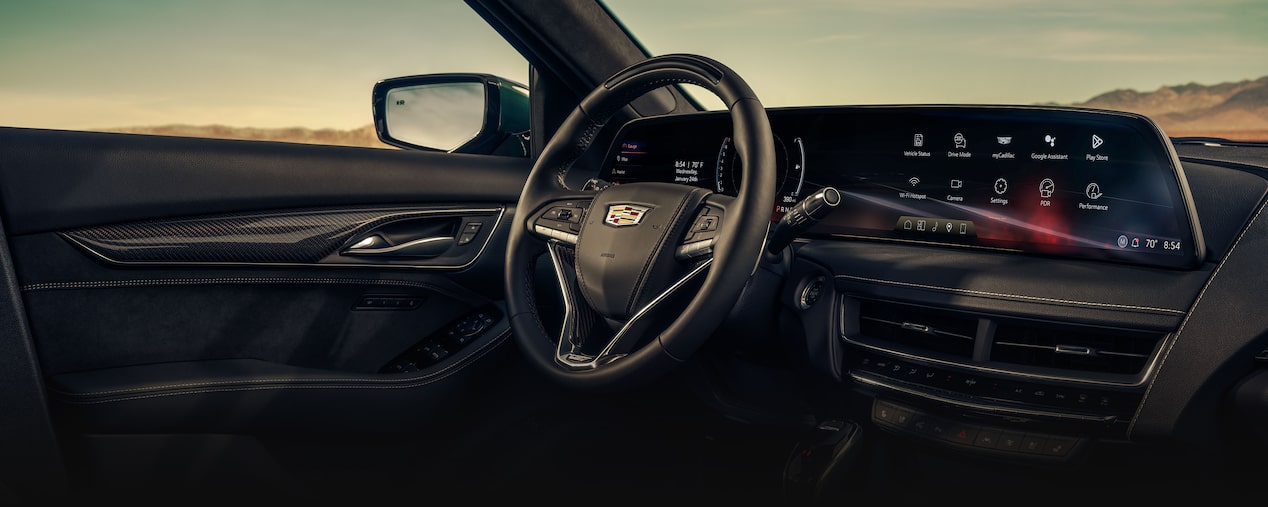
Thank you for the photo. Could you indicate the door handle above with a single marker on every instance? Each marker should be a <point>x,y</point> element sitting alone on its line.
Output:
<point>376,246</point>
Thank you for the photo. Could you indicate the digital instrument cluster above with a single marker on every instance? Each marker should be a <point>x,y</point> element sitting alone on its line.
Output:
<point>1057,181</point>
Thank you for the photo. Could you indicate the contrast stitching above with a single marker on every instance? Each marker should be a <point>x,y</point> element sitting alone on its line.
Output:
<point>1014,296</point>
<point>393,383</point>
<point>1170,346</point>
<point>583,143</point>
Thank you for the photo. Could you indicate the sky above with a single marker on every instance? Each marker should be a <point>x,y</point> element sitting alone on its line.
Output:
<point>84,64</point>
<point>826,52</point>
<point>87,64</point>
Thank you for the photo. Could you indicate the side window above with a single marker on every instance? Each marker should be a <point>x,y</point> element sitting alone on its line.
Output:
<point>282,70</point>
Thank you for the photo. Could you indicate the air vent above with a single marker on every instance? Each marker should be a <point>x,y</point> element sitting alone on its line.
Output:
<point>1084,349</point>
<point>918,328</point>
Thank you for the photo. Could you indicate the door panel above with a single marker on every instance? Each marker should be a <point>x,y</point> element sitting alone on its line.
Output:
<point>214,287</point>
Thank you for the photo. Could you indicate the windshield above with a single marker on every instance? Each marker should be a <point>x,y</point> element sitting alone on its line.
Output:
<point>1197,68</point>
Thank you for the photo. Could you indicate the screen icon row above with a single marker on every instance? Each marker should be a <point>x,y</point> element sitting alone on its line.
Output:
<point>1047,187</point>
<point>961,141</point>
<point>937,226</point>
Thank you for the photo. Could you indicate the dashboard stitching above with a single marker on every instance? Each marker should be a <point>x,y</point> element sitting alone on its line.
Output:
<point>1167,353</point>
<point>402,383</point>
<point>1013,296</point>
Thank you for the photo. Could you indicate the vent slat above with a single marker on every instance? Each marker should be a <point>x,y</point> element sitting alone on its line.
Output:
<point>1073,348</point>
<point>910,325</point>
<point>918,328</point>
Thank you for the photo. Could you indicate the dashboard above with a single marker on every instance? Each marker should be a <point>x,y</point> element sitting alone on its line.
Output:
<point>1037,180</point>
<point>1016,282</point>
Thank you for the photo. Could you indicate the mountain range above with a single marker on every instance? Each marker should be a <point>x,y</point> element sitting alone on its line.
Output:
<point>363,136</point>
<point>1235,110</point>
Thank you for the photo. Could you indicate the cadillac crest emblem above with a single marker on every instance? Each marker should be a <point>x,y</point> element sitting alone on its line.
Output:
<point>621,215</point>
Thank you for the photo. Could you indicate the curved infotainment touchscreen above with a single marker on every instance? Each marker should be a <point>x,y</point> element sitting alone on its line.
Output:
<point>1067,182</point>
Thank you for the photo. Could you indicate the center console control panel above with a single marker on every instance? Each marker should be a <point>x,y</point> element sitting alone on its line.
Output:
<point>997,441</point>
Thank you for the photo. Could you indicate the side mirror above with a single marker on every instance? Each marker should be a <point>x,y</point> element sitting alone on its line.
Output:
<point>455,113</point>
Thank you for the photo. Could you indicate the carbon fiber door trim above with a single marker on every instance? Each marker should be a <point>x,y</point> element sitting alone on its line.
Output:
<point>310,237</point>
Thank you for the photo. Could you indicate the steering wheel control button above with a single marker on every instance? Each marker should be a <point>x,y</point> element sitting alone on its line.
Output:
<point>707,223</point>
<point>694,249</point>
<point>553,231</point>
<point>704,226</point>
<point>561,222</point>
<point>571,214</point>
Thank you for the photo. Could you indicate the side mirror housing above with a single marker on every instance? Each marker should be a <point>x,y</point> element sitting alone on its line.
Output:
<point>455,113</point>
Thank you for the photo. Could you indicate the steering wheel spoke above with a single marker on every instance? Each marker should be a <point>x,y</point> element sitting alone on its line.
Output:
<point>585,342</point>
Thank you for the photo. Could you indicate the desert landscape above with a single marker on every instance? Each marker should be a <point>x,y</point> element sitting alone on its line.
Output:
<point>1236,110</point>
<point>1233,110</point>
<point>362,136</point>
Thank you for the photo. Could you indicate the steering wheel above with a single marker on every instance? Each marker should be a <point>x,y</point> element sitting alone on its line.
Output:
<point>647,271</point>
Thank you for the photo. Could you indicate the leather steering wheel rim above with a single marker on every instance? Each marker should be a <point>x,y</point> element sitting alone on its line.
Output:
<point>737,249</point>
